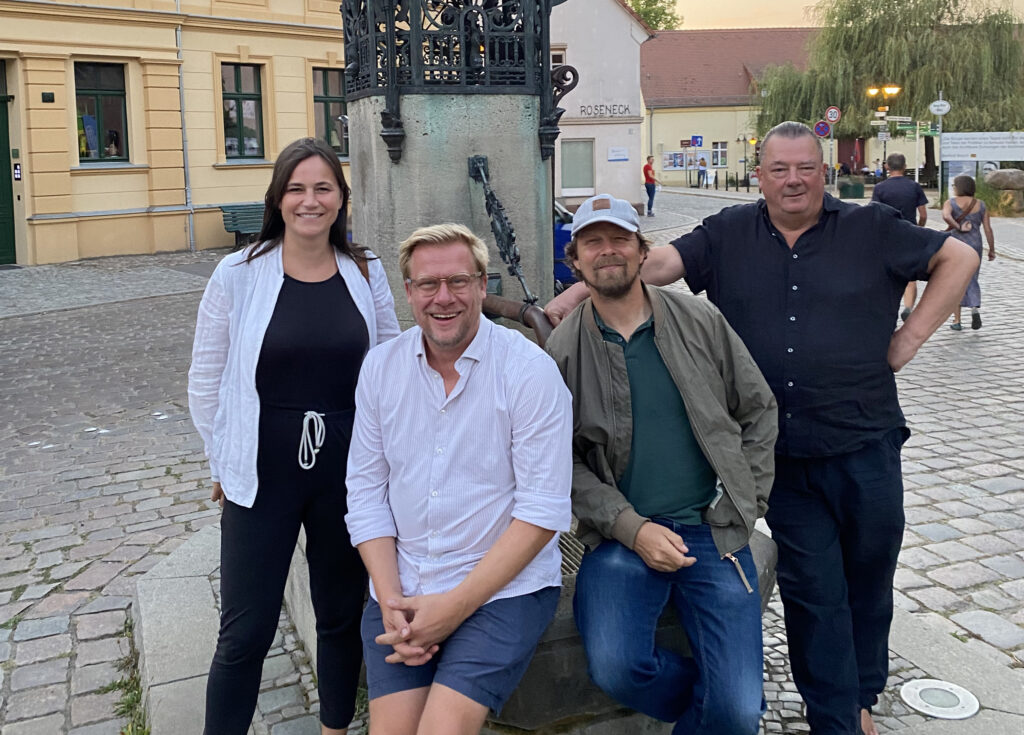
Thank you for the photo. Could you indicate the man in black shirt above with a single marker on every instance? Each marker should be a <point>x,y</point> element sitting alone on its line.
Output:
<point>907,197</point>
<point>811,285</point>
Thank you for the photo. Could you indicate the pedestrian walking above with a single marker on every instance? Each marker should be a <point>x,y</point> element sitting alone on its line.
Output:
<point>907,197</point>
<point>650,184</point>
<point>966,217</point>
<point>281,334</point>
<point>702,173</point>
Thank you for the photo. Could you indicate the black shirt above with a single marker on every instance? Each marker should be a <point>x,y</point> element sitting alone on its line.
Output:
<point>313,347</point>
<point>902,194</point>
<point>817,318</point>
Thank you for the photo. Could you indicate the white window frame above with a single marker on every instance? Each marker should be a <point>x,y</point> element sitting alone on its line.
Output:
<point>583,191</point>
<point>717,149</point>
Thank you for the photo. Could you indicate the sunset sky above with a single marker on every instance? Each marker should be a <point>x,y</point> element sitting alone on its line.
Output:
<point>753,13</point>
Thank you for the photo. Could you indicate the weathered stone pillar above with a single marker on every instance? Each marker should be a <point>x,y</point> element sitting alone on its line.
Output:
<point>430,85</point>
<point>431,183</point>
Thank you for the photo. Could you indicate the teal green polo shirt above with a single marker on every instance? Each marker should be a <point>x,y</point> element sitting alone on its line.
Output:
<point>668,474</point>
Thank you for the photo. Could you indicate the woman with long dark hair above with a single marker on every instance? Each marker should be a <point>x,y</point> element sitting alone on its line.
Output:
<point>282,330</point>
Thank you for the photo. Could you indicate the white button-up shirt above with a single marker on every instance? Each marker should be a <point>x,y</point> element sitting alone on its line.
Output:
<point>445,475</point>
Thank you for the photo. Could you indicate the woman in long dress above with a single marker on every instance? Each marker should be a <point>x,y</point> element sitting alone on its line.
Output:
<point>966,217</point>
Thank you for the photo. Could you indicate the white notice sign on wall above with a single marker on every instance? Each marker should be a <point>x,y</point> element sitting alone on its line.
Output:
<point>618,153</point>
<point>982,147</point>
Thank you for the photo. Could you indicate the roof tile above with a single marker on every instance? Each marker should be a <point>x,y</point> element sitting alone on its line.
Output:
<point>715,67</point>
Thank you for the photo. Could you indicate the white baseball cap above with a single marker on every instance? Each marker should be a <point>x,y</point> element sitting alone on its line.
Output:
<point>606,208</point>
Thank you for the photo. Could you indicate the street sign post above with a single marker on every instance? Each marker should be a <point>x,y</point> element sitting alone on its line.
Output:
<point>832,114</point>
<point>822,128</point>
<point>879,123</point>
<point>900,118</point>
<point>697,141</point>
<point>884,135</point>
<point>939,107</point>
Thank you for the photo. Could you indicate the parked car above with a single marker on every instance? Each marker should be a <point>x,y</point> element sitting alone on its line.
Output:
<point>563,234</point>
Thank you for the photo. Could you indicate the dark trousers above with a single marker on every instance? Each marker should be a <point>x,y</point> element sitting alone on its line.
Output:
<point>256,550</point>
<point>651,189</point>
<point>838,522</point>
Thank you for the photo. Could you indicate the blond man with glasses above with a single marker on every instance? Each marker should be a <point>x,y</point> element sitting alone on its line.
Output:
<point>459,478</point>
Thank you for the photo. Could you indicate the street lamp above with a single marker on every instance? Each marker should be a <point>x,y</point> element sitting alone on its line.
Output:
<point>752,140</point>
<point>887,91</point>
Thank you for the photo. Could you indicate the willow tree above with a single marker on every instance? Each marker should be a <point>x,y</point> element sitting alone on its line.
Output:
<point>658,14</point>
<point>968,49</point>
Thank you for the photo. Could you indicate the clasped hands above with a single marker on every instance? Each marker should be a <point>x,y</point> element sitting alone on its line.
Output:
<point>416,626</point>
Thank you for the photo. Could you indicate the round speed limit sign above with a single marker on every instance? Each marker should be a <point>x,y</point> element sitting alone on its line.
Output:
<point>833,114</point>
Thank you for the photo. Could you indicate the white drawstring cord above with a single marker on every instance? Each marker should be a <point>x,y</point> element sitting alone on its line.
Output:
<point>309,446</point>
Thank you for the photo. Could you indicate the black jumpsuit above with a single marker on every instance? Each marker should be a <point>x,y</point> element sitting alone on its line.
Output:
<point>309,362</point>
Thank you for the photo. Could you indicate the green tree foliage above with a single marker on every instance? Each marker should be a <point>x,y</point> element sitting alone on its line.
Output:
<point>658,14</point>
<point>969,49</point>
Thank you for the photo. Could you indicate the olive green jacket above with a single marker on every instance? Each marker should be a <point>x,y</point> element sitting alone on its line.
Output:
<point>730,407</point>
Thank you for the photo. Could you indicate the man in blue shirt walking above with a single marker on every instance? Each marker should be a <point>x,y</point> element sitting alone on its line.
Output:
<point>907,197</point>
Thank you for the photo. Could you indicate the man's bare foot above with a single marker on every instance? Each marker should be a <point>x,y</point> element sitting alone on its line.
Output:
<point>867,725</point>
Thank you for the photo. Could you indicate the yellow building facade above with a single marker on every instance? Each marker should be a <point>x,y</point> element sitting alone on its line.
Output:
<point>725,132</point>
<point>128,124</point>
<point>701,99</point>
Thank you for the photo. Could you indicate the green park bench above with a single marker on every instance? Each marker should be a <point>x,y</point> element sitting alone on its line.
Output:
<point>244,219</point>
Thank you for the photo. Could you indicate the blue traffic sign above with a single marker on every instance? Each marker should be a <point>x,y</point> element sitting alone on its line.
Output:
<point>822,128</point>
<point>697,141</point>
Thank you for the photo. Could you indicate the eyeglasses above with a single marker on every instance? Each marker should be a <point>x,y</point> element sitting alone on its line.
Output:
<point>458,283</point>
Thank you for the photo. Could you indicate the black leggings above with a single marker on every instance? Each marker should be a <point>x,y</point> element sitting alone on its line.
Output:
<point>256,551</point>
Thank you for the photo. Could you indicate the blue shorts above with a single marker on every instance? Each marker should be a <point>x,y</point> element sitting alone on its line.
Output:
<point>484,658</point>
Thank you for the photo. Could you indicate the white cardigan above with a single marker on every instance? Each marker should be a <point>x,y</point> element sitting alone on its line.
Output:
<point>233,317</point>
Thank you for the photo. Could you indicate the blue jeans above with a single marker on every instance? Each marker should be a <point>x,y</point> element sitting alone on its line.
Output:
<point>618,602</point>
<point>651,189</point>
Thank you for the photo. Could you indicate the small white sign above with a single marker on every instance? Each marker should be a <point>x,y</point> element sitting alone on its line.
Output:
<point>884,135</point>
<point>900,118</point>
<point>939,107</point>
<point>618,153</point>
<point>878,123</point>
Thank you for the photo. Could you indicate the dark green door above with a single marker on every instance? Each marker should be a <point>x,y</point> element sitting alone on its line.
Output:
<point>6,190</point>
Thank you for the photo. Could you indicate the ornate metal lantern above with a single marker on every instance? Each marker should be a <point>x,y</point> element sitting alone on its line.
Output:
<point>395,47</point>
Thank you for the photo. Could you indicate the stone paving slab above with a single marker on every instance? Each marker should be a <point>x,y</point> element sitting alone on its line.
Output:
<point>177,618</point>
<point>175,707</point>
<point>988,722</point>
<point>177,624</point>
<point>935,649</point>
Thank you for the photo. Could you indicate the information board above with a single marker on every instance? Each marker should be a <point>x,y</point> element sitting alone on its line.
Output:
<point>982,147</point>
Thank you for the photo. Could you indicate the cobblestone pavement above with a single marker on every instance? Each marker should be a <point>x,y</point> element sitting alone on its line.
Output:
<point>102,474</point>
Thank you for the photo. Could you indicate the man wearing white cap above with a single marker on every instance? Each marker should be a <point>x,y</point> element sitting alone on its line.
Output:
<point>674,429</point>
